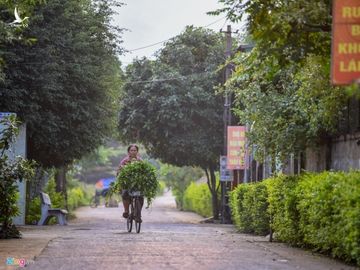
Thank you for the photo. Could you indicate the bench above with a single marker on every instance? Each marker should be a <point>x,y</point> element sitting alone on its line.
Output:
<point>47,212</point>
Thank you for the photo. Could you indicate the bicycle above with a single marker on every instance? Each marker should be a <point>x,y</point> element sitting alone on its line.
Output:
<point>94,201</point>
<point>136,202</point>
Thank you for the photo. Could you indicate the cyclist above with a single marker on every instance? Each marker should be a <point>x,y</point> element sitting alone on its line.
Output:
<point>132,156</point>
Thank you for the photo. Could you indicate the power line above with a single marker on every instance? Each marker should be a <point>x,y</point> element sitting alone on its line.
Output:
<point>171,79</point>
<point>160,42</point>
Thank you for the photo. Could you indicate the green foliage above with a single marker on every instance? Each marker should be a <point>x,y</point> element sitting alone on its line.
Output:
<point>79,194</point>
<point>10,33</point>
<point>34,211</point>
<point>249,204</point>
<point>101,156</point>
<point>283,200</point>
<point>320,211</point>
<point>170,105</point>
<point>178,179</point>
<point>329,213</point>
<point>197,198</point>
<point>11,171</point>
<point>137,176</point>
<point>282,87</point>
<point>65,85</point>
<point>161,188</point>
<point>57,198</point>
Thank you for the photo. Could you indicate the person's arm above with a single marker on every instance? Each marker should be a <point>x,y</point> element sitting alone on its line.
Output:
<point>123,162</point>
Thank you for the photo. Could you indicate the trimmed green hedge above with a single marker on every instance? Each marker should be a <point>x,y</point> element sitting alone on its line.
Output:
<point>321,211</point>
<point>329,211</point>
<point>197,198</point>
<point>283,209</point>
<point>249,206</point>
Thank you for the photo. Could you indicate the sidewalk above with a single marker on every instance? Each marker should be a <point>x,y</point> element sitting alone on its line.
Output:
<point>14,252</point>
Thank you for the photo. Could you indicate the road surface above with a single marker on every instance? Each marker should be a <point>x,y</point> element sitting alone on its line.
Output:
<point>169,239</point>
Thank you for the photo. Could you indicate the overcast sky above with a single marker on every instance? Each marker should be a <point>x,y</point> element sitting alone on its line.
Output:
<point>153,21</point>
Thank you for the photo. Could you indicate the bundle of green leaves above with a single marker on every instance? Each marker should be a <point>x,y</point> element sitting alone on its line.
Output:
<point>138,176</point>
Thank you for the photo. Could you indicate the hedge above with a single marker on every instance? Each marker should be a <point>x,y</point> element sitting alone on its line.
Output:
<point>283,209</point>
<point>329,211</point>
<point>249,204</point>
<point>197,198</point>
<point>320,211</point>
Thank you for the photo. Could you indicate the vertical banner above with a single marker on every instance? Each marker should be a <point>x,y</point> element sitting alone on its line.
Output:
<point>345,56</point>
<point>225,174</point>
<point>236,148</point>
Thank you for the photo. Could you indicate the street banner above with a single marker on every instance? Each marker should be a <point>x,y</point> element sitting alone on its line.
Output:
<point>225,174</point>
<point>345,57</point>
<point>236,148</point>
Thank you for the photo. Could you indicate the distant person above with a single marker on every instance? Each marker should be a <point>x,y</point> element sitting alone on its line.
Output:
<point>133,151</point>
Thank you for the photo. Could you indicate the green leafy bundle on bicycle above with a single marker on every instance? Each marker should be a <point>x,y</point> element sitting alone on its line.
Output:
<point>137,176</point>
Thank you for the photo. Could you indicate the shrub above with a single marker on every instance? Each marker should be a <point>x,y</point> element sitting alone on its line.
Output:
<point>11,171</point>
<point>34,211</point>
<point>330,213</point>
<point>197,198</point>
<point>34,207</point>
<point>248,203</point>
<point>241,216</point>
<point>161,188</point>
<point>78,194</point>
<point>321,211</point>
<point>283,210</point>
<point>178,179</point>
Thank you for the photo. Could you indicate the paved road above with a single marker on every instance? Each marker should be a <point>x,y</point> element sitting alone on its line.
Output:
<point>169,239</point>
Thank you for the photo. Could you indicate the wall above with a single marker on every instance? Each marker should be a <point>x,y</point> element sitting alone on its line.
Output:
<point>345,155</point>
<point>19,149</point>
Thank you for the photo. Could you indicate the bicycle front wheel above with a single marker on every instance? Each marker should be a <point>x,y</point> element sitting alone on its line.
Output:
<point>129,223</point>
<point>137,226</point>
<point>137,215</point>
<point>93,202</point>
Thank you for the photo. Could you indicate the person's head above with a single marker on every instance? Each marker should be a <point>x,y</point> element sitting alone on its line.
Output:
<point>133,150</point>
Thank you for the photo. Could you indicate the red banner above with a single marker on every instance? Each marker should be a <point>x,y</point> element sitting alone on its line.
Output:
<point>236,148</point>
<point>345,66</point>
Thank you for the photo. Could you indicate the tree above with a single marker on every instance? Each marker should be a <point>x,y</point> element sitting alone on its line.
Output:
<point>282,86</point>
<point>65,86</point>
<point>10,32</point>
<point>170,105</point>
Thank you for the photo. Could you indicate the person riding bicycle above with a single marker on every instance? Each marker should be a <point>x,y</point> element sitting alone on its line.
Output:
<point>132,156</point>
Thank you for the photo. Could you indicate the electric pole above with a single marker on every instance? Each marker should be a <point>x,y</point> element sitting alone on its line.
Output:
<point>225,185</point>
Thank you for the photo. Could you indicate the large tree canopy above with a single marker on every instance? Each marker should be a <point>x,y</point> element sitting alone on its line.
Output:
<point>282,86</point>
<point>170,106</point>
<point>65,85</point>
<point>10,32</point>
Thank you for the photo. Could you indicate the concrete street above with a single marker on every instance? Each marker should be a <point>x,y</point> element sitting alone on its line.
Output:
<point>169,239</point>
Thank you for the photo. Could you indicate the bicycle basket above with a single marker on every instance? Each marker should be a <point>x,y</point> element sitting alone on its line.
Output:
<point>135,193</point>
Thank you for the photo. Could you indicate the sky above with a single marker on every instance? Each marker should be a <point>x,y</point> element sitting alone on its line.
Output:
<point>154,21</point>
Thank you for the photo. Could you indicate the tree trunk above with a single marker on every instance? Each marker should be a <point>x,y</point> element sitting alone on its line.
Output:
<point>211,181</point>
<point>60,179</point>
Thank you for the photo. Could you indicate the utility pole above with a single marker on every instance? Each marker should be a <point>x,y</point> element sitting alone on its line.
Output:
<point>225,186</point>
